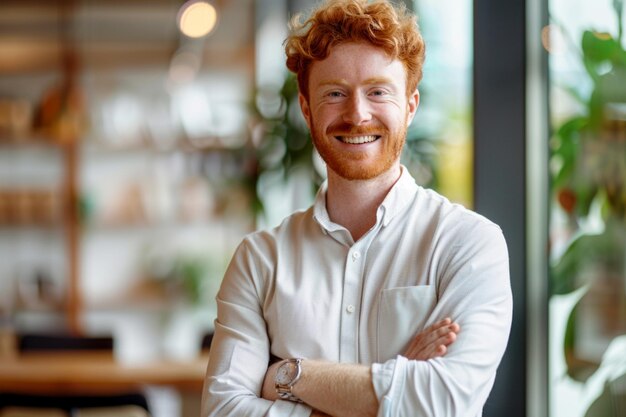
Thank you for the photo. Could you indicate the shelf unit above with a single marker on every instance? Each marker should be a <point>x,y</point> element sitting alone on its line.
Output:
<point>51,207</point>
<point>74,225</point>
<point>127,52</point>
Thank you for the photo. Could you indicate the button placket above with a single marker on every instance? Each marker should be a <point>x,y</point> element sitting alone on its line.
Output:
<point>350,318</point>
<point>352,291</point>
<point>356,255</point>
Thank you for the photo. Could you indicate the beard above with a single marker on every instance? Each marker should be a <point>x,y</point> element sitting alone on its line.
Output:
<point>359,165</point>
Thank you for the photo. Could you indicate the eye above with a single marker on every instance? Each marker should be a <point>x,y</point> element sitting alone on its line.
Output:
<point>378,92</point>
<point>335,94</point>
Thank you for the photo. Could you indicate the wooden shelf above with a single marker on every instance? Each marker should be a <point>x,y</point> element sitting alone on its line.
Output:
<point>180,145</point>
<point>36,138</point>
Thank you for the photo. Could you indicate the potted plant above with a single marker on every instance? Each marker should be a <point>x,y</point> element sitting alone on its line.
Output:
<point>588,164</point>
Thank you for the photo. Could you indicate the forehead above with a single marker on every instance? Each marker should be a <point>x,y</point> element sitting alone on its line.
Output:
<point>355,63</point>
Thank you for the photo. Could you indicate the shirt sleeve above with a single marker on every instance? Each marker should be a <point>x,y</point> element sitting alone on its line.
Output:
<point>474,290</point>
<point>239,353</point>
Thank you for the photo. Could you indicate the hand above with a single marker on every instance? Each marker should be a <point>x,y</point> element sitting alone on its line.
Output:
<point>434,341</point>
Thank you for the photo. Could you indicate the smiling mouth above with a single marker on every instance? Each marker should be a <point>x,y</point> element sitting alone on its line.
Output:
<point>358,140</point>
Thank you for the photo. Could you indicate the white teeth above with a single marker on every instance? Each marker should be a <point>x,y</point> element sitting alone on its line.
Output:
<point>355,140</point>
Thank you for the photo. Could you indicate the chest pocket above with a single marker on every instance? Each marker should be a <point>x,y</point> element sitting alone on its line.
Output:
<point>402,313</point>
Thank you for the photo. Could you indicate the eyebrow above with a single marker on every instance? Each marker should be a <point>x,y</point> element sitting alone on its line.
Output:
<point>372,80</point>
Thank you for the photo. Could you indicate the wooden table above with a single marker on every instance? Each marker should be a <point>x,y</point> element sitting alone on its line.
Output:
<point>94,373</point>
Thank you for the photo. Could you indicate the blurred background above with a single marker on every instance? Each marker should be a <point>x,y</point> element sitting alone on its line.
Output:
<point>141,140</point>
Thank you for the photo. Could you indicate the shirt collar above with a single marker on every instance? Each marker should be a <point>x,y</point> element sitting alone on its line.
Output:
<point>400,195</point>
<point>320,214</point>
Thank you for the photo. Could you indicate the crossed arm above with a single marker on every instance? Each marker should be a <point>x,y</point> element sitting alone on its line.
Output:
<point>476,292</point>
<point>346,389</point>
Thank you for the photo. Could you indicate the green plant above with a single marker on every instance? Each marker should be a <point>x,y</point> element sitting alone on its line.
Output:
<point>190,277</point>
<point>192,274</point>
<point>593,142</point>
<point>284,142</point>
<point>588,162</point>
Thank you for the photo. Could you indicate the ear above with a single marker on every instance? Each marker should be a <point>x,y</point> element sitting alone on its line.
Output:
<point>306,110</point>
<point>413,103</point>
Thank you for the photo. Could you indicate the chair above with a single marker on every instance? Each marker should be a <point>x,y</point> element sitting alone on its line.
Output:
<point>62,342</point>
<point>123,411</point>
<point>36,405</point>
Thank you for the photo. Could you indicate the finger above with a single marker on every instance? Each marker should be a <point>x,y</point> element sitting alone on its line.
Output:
<point>417,345</point>
<point>441,351</point>
<point>421,348</point>
<point>431,333</point>
<point>435,334</point>
<point>438,347</point>
<point>414,348</point>
<point>442,323</point>
<point>427,346</point>
<point>425,343</point>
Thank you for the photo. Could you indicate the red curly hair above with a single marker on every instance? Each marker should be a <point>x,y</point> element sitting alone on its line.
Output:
<point>379,23</point>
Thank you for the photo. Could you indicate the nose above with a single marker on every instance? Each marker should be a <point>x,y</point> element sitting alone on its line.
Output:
<point>357,110</point>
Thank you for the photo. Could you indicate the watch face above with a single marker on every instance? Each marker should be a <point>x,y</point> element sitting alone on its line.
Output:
<point>285,373</point>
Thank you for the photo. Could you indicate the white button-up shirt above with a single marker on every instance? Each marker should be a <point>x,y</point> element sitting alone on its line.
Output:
<point>306,289</point>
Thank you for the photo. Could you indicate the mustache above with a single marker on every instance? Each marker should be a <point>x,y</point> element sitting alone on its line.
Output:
<point>343,129</point>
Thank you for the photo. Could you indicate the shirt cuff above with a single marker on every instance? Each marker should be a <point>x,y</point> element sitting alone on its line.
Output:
<point>289,408</point>
<point>387,380</point>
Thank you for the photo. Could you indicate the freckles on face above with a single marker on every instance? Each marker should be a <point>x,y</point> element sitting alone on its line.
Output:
<point>358,83</point>
<point>358,110</point>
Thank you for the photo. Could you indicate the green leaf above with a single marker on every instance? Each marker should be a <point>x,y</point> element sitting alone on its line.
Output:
<point>584,252</point>
<point>566,147</point>
<point>598,47</point>
<point>596,108</point>
<point>598,263</point>
<point>577,369</point>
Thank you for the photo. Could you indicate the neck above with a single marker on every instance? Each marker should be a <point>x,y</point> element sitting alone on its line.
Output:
<point>353,203</point>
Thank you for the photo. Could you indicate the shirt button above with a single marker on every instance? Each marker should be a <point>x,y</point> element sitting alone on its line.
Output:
<point>350,309</point>
<point>356,255</point>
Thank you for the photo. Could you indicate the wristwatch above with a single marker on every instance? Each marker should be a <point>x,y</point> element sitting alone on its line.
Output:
<point>287,374</point>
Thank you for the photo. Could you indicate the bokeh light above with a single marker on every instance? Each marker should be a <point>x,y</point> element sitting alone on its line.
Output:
<point>197,18</point>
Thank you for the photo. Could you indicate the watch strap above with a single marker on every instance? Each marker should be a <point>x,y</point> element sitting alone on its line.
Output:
<point>287,395</point>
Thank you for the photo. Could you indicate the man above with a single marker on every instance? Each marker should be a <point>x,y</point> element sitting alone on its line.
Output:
<point>350,294</point>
